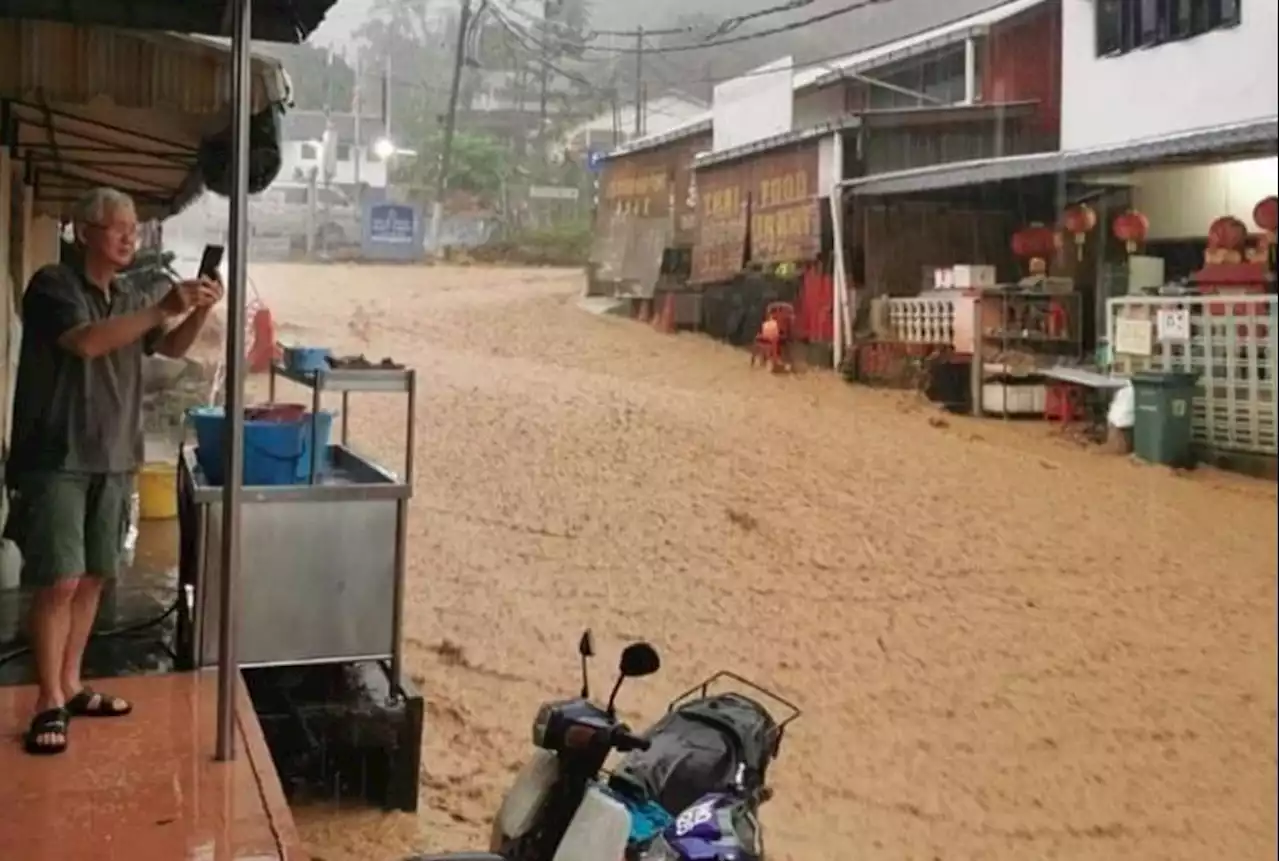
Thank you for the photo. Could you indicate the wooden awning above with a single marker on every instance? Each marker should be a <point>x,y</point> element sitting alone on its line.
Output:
<point>84,106</point>
<point>273,20</point>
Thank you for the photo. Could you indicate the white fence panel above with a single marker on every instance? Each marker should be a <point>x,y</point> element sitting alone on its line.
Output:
<point>1229,342</point>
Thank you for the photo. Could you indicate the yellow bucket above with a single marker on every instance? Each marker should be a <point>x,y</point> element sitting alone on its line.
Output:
<point>158,491</point>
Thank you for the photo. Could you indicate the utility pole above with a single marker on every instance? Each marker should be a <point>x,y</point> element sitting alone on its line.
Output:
<point>450,121</point>
<point>544,76</point>
<point>639,81</point>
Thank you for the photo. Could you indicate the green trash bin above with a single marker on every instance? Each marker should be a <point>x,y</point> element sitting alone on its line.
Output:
<point>1162,416</point>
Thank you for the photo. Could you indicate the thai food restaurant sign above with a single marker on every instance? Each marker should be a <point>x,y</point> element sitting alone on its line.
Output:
<point>786,223</point>
<point>722,196</point>
<point>638,185</point>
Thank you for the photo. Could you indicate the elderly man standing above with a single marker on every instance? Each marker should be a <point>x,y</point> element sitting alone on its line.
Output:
<point>77,441</point>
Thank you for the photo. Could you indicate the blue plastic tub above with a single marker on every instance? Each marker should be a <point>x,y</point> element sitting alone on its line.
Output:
<point>305,360</point>
<point>275,453</point>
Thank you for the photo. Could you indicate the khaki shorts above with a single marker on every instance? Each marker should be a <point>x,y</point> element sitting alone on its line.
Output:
<point>69,524</point>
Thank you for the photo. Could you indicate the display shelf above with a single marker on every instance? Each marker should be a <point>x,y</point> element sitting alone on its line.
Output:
<point>1023,332</point>
<point>373,379</point>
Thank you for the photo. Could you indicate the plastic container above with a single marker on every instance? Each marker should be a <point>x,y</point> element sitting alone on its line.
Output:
<point>275,452</point>
<point>1162,417</point>
<point>275,413</point>
<point>306,360</point>
<point>158,491</point>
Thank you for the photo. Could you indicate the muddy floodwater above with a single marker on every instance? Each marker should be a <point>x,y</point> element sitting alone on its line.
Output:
<point>1007,647</point>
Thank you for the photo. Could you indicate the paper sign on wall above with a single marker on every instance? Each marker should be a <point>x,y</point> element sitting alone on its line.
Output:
<point>1173,324</point>
<point>1133,337</point>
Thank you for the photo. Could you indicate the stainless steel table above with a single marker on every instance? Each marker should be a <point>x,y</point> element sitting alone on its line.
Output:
<point>323,567</point>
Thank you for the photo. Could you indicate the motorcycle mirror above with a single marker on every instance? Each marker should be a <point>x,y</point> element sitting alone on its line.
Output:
<point>639,659</point>
<point>586,650</point>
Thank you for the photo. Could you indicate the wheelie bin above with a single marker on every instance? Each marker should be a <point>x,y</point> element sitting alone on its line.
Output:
<point>1162,416</point>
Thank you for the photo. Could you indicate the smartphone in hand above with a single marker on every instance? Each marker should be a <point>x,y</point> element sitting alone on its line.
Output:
<point>210,260</point>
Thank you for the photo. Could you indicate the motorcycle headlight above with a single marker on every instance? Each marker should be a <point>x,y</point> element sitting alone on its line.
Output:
<point>541,721</point>
<point>660,850</point>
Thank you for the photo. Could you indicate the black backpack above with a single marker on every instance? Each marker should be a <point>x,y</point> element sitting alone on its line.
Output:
<point>721,743</point>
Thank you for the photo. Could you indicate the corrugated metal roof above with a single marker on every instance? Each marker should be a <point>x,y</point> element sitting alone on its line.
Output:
<point>777,141</point>
<point>273,20</point>
<point>1219,139</point>
<point>128,110</point>
<point>949,23</point>
<point>884,33</point>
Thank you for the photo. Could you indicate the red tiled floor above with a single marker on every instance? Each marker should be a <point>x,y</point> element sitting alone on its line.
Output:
<point>144,787</point>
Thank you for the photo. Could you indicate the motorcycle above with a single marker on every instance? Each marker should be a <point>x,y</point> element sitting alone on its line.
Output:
<point>687,790</point>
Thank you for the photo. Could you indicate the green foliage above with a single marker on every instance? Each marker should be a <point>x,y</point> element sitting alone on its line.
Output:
<point>564,244</point>
<point>478,164</point>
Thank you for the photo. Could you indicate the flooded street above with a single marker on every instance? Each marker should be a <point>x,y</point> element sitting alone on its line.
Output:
<point>1006,647</point>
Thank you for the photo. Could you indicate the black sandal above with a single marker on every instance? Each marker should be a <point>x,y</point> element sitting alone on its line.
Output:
<point>48,722</point>
<point>90,703</point>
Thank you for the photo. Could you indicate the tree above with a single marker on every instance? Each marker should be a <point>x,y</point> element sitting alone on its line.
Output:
<point>478,164</point>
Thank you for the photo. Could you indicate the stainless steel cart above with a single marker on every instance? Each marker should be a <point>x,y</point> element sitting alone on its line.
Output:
<point>323,570</point>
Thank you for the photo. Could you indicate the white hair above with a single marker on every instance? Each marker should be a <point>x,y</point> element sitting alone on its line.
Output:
<point>97,206</point>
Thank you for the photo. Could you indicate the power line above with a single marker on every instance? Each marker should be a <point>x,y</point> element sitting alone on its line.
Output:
<point>746,37</point>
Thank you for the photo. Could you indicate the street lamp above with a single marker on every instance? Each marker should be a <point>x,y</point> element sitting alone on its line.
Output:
<point>383,148</point>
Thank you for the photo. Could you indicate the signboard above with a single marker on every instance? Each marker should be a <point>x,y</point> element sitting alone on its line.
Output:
<point>722,224</point>
<point>786,224</point>
<point>1173,324</point>
<point>642,189</point>
<point>1133,337</point>
<point>392,231</point>
<point>553,192</point>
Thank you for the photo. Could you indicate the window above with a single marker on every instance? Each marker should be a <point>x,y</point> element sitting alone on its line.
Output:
<point>1126,25</point>
<point>310,152</point>
<point>343,152</point>
<point>922,82</point>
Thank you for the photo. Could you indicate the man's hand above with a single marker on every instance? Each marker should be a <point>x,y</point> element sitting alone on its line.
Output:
<point>181,298</point>
<point>210,292</point>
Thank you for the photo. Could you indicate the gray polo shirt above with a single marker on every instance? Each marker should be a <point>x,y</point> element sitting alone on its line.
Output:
<point>69,413</point>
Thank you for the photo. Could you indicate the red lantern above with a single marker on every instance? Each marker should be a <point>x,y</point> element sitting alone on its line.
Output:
<point>1035,243</point>
<point>1267,216</point>
<point>1079,221</point>
<point>1228,233</point>
<point>1131,229</point>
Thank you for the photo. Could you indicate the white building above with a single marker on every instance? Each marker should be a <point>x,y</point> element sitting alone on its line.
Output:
<point>355,158</point>
<point>1137,69</point>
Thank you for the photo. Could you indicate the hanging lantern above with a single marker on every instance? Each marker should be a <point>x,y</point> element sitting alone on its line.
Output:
<point>1035,244</point>
<point>1228,233</point>
<point>1267,216</point>
<point>1131,229</point>
<point>1079,221</point>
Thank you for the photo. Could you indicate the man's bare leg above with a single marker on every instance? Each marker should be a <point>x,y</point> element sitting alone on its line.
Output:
<point>50,624</point>
<point>83,612</point>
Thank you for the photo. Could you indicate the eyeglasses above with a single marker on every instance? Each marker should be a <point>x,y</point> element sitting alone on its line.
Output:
<point>123,231</point>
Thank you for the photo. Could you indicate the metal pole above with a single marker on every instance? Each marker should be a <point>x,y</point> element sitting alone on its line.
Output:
<point>237,274</point>
<point>544,78</point>
<point>639,81</point>
<point>450,121</point>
